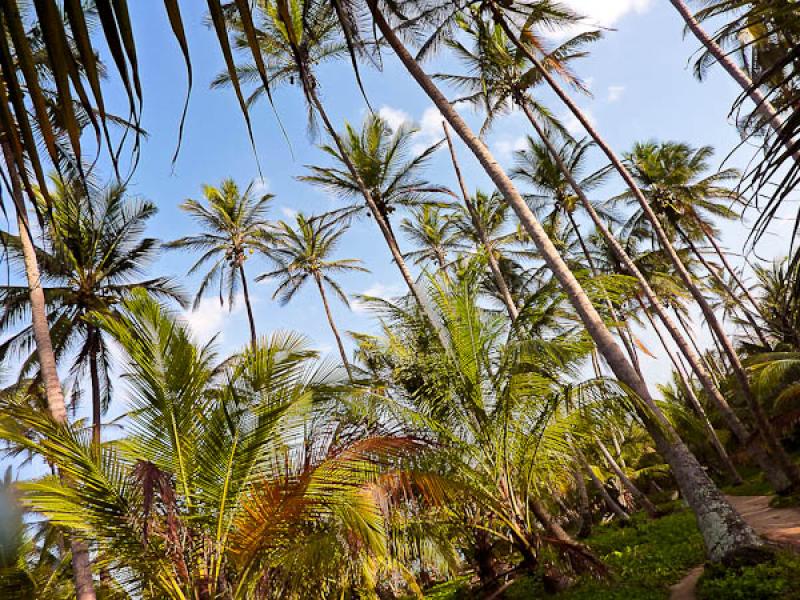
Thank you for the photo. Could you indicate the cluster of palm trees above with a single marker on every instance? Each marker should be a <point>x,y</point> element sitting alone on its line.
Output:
<point>464,434</point>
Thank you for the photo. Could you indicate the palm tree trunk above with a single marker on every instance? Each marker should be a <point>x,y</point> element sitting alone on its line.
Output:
<point>612,504</point>
<point>638,495</point>
<point>763,106</point>
<point>499,280</point>
<point>777,479</point>
<point>723,529</point>
<point>82,572</point>
<point>335,331</point>
<point>695,402</point>
<point>251,320</point>
<point>94,374</point>
<point>721,282</point>
<point>583,505</point>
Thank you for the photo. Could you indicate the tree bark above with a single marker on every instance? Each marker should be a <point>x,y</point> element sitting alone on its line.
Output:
<point>82,572</point>
<point>780,481</point>
<point>94,374</point>
<point>612,504</point>
<point>695,402</point>
<point>335,331</point>
<point>497,274</point>
<point>787,466</point>
<point>723,529</point>
<point>638,495</point>
<point>763,106</point>
<point>583,505</point>
<point>250,319</point>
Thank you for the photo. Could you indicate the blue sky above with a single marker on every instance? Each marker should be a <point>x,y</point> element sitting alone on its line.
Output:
<point>640,75</point>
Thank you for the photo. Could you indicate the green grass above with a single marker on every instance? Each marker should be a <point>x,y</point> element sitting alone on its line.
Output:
<point>778,580</point>
<point>645,559</point>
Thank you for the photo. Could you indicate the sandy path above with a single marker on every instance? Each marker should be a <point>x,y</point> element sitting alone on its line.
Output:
<point>781,525</point>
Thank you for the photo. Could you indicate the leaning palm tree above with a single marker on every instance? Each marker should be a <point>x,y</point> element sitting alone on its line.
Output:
<point>708,503</point>
<point>305,252</point>
<point>235,226</point>
<point>92,257</point>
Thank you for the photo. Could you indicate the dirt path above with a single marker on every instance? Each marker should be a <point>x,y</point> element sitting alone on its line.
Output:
<point>781,525</point>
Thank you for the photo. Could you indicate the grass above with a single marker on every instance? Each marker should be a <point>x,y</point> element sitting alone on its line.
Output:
<point>645,558</point>
<point>777,580</point>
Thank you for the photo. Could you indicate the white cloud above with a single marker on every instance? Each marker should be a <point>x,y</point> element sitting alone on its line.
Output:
<point>602,13</point>
<point>615,92</point>
<point>573,125</point>
<point>394,117</point>
<point>259,187</point>
<point>288,212</point>
<point>504,147</point>
<point>378,290</point>
<point>210,317</point>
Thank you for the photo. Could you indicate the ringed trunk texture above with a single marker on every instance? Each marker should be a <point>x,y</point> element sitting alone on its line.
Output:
<point>331,322</point>
<point>723,529</point>
<point>763,106</point>
<point>81,566</point>
<point>775,475</point>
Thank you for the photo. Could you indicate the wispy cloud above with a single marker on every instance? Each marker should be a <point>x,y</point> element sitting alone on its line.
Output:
<point>601,13</point>
<point>210,316</point>
<point>505,146</point>
<point>615,92</point>
<point>573,125</point>
<point>429,125</point>
<point>378,290</point>
<point>260,186</point>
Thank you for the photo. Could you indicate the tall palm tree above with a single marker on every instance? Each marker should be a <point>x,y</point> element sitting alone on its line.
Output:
<point>702,494</point>
<point>433,232</point>
<point>235,226</point>
<point>92,257</point>
<point>306,251</point>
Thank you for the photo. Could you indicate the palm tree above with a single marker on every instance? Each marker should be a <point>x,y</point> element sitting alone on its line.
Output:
<point>433,232</point>
<point>235,226</point>
<point>306,251</point>
<point>92,257</point>
<point>702,494</point>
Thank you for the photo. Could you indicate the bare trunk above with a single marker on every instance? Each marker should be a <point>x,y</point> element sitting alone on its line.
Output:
<point>787,466</point>
<point>777,479</point>
<point>335,331</point>
<point>550,525</point>
<point>639,496</point>
<point>723,529</point>
<point>612,504</point>
<point>84,585</point>
<point>94,374</point>
<point>583,505</point>
<point>763,106</point>
<point>250,319</point>
<point>695,402</point>
<point>499,280</point>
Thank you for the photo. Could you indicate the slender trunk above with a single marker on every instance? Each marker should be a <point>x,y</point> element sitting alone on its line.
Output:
<point>82,572</point>
<point>499,280</point>
<point>763,106</point>
<point>583,505</point>
<point>723,529</point>
<point>723,284</point>
<point>383,224</point>
<point>335,331</point>
<point>695,402</point>
<point>639,496</point>
<point>777,479</point>
<point>612,504</point>
<point>548,522</point>
<point>94,373</point>
<point>251,320</point>
<point>775,449</point>
<point>728,267</point>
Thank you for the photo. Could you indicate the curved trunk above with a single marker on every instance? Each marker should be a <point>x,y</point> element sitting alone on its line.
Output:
<point>776,450</point>
<point>497,274</point>
<point>723,529</point>
<point>250,318</point>
<point>81,566</point>
<point>638,495</point>
<point>698,408</point>
<point>612,504</point>
<point>776,478</point>
<point>335,331</point>
<point>763,106</point>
